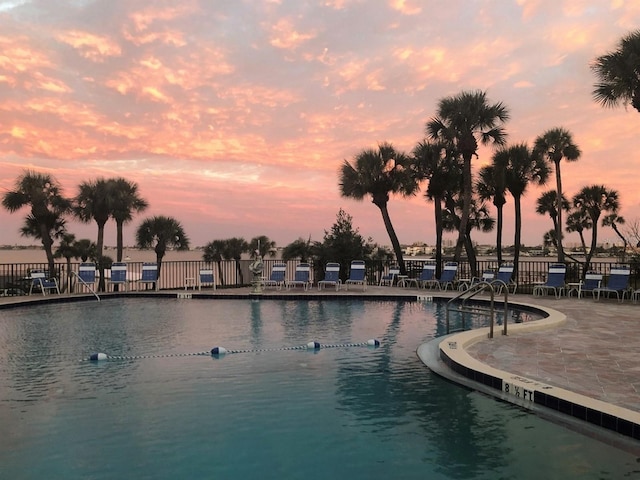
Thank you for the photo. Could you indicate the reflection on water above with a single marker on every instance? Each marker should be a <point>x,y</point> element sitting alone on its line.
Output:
<point>355,412</point>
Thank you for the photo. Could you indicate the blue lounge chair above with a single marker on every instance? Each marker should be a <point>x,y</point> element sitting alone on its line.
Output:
<point>504,278</point>
<point>118,275</point>
<point>277,277</point>
<point>40,279</point>
<point>555,281</point>
<point>87,275</point>
<point>488,276</point>
<point>302,277</point>
<point>618,283</point>
<point>390,278</point>
<point>357,275</point>
<point>205,277</point>
<point>427,277</point>
<point>448,276</point>
<point>331,276</point>
<point>149,275</point>
<point>592,280</point>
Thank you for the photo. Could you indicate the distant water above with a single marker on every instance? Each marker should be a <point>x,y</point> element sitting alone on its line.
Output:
<point>38,255</point>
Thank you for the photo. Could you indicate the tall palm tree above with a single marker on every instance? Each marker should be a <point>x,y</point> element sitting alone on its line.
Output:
<point>491,186</point>
<point>461,121</point>
<point>618,74</point>
<point>125,201</point>
<point>546,205</point>
<point>233,250</point>
<point>95,202</point>
<point>613,220</point>
<point>43,195</point>
<point>380,173</point>
<point>161,232</point>
<point>67,250</point>
<point>213,253</point>
<point>594,200</point>
<point>522,168</point>
<point>553,146</point>
<point>264,245</point>
<point>442,170</point>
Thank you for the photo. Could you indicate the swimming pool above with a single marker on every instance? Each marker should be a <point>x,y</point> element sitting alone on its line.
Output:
<point>345,412</point>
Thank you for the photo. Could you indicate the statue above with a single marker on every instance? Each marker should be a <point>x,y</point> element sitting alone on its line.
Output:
<point>256,267</point>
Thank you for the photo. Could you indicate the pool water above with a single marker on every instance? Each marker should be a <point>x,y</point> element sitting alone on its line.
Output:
<point>272,412</point>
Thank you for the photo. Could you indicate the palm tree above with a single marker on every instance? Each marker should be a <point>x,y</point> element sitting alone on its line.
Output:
<point>594,200</point>
<point>442,169</point>
<point>300,248</point>
<point>578,221</point>
<point>161,232</point>
<point>546,205</point>
<point>43,194</point>
<point>554,145</point>
<point>213,253</point>
<point>67,250</point>
<point>125,201</point>
<point>264,245</point>
<point>613,220</point>
<point>618,74</point>
<point>522,168</point>
<point>233,250</point>
<point>95,202</point>
<point>380,173</point>
<point>491,186</point>
<point>461,121</point>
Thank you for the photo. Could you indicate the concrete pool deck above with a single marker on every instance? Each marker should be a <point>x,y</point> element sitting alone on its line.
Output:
<point>591,353</point>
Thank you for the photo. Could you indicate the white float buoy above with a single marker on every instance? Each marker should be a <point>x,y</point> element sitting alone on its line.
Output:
<point>373,342</point>
<point>95,357</point>
<point>218,351</point>
<point>313,346</point>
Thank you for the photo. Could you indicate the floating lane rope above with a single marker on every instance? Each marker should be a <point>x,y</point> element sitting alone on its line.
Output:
<point>218,352</point>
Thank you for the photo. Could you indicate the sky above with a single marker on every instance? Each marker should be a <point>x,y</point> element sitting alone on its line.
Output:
<point>234,117</point>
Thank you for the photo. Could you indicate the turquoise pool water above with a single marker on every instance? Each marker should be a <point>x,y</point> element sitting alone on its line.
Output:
<point>353,412</point>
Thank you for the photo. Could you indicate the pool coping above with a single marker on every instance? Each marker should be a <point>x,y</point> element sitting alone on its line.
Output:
<point>447,357</point>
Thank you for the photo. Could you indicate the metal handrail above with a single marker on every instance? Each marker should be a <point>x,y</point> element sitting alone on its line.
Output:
<point>471,292</point>
<point>90,287</point>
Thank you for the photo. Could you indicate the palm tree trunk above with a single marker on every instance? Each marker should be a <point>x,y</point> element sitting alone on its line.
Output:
<point>517,236</point>
<point>99,246</point>
<point>499,234</point>
<point>466,206</point>
<point>47,245</point>
<point>119,240</point>
<point>439,231</point>
<point>220,274</point>
<point>559,213</point>
<point>393,237</point>
<point>594,242</point>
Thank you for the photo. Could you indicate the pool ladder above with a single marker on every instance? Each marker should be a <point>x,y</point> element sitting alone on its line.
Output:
<point>90,287</point>
<point>460,303</point>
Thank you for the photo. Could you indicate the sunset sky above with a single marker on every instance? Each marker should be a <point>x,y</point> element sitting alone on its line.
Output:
<point>235,116</point>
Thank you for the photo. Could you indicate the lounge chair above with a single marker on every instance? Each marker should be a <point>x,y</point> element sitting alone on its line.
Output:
<point>357,275</point>
<point>41,280</point>
<point>149,275</point>
<point>301,278</point>
<point>448,276</point>
<point>87,275</point>
<point>427,276</point>
<point>331,276</point>
<point>205,277</point>
<point>504,277</point>
<point>618,283</point>
<point>277,277</point>
<point>118,274</point>
<point>592,280</point>
<point>390,278</point>
<point>487,276</point>
<point>555,281</point>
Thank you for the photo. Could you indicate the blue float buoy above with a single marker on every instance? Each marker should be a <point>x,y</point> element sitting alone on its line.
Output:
<point>313,346</point>
<point>218,351</point>
<point>373,342</point>
<point>95,357</point>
